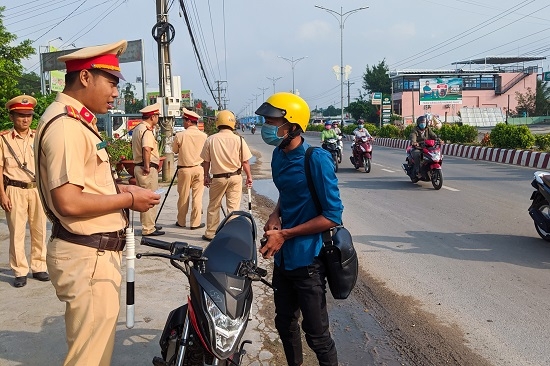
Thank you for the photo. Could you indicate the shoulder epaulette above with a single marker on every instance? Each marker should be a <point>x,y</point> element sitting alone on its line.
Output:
<point>72,112</point>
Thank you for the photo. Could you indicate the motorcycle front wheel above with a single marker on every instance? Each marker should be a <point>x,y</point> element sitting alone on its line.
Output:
<point>544,207</point>
<point>335,158</point>
<point>339,156</point>
<point>366,164</point>
<point>437,179</point>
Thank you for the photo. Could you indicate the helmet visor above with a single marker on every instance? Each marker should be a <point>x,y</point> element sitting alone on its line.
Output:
<point>267,110</point>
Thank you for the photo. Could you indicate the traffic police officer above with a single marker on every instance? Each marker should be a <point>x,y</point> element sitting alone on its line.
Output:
<point>188,145</point>
<point>226,155</point>
<point>147,158</point>
<point>18,193</point>
<point>84,203</point>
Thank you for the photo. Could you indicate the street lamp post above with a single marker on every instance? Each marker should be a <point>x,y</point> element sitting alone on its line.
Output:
<point>292,63</point>
<point>263,92</point>
<point>341,21</point>
<point>274,80</point>
<point>42,80</point>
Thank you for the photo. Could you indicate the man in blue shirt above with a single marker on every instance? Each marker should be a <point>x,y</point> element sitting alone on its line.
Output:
<point>294,229</point>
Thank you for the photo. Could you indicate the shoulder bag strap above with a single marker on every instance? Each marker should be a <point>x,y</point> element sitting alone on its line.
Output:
<point>22,166</point>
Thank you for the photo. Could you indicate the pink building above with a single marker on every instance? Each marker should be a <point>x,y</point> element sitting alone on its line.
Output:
<point>494,86</point>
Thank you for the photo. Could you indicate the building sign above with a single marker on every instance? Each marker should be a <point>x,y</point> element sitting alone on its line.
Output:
<point>376,98</point>
<point>186,98</point>
<point>546,76</point>
<point>386,110</point>
<point>441,91</point>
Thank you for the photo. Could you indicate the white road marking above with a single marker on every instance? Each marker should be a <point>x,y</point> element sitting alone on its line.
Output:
<point>389,171</point>
<point>451,189</point>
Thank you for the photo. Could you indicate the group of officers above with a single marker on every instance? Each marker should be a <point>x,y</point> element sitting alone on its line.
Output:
<point>62,171</point>
<point>216,162</point>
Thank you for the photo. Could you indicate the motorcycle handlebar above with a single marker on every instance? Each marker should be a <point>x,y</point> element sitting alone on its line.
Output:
<point>155,243</point>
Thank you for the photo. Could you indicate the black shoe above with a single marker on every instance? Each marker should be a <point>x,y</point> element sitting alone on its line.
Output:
<point>158,227</point>
<point>155,233</point>
<point>41,276</point>
<point>178,225</point>
<point>205,238</point>
<point>197,227</point>
<point>20,281</point>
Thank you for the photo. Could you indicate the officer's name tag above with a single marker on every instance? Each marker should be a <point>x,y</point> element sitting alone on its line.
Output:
<point>101,145</point>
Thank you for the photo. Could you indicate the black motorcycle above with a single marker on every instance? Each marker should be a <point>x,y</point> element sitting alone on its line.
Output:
<point>208,329</point>
<point>540,207</point>
<point>331,145</point>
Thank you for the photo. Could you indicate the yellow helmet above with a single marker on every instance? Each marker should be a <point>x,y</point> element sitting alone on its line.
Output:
<point>290,106</point>
<point>225,118</point>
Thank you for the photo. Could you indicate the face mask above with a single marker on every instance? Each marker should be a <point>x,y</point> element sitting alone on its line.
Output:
<point>361,126</point>
<point>327,127</point>
<point>269,135</point>
<point>422,126</point>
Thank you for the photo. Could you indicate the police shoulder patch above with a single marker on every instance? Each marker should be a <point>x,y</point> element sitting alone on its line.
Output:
<point>72,112</point>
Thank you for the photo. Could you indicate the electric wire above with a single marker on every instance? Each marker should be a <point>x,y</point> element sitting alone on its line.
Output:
<point>68,15</point>
<point>186,17</point>
<point>459,36</point>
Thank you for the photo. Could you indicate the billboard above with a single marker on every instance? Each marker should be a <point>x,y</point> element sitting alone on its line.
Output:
<point>441,91</point>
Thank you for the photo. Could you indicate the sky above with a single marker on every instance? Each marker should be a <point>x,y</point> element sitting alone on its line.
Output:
<point>243,43</point>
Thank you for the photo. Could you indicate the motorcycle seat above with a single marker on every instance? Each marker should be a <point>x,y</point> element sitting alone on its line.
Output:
<point>232,244</point>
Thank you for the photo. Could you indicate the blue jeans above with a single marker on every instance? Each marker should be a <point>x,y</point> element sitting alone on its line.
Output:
<point>303,289</point>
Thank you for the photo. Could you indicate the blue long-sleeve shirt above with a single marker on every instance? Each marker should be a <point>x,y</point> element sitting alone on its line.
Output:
<point>296,203</point>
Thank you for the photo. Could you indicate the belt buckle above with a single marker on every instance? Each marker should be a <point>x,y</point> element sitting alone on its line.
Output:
<point>30,185</point>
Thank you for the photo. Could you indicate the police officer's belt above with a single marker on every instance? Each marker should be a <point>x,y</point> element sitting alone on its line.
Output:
<point>114,241</point>
<point>187,166</point>
<point>152,165</point>
<point>17,183</point>
<point>226,175</point>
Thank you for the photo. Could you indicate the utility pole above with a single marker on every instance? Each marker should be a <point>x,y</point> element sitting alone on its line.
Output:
<point>219,89</point>
<point>349,83</point>
<point>163,33</point>
<point>274,80</point>
<point>263,93</point>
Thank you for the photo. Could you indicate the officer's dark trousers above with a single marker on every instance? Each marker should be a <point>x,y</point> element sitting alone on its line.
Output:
<point>303,289</point>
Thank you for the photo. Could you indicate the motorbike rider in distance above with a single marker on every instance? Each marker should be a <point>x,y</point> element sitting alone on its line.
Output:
<point>328,133</point>
<point>359,132</point>
<point>336,129</point>
<point>419,134</point>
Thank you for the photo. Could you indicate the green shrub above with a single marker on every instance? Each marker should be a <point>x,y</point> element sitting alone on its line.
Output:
<point>512,137</point>
<point>457,133</point>
<point>407,131</point>
<point>542,142</point>
<point>389,131</point>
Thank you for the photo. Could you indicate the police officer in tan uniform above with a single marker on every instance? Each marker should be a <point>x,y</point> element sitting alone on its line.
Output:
<point>18,193</point>
<point>84,203</point>
<point>188,145</point>
<point>226,155</point>
<point>146,157</point>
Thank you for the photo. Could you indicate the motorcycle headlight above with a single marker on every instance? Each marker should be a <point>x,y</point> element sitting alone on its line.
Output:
<point>226,330</point>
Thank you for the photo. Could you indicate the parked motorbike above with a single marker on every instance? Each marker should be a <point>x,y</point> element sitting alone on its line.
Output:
<point>208,329</point>
<point>362,153</point>
<point>430,163</point>
<point>540,207</point>
<point>331,145</point>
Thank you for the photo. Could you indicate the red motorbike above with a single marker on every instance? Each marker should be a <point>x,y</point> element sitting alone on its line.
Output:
<point>430,163</point>
<point>362,153</point>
